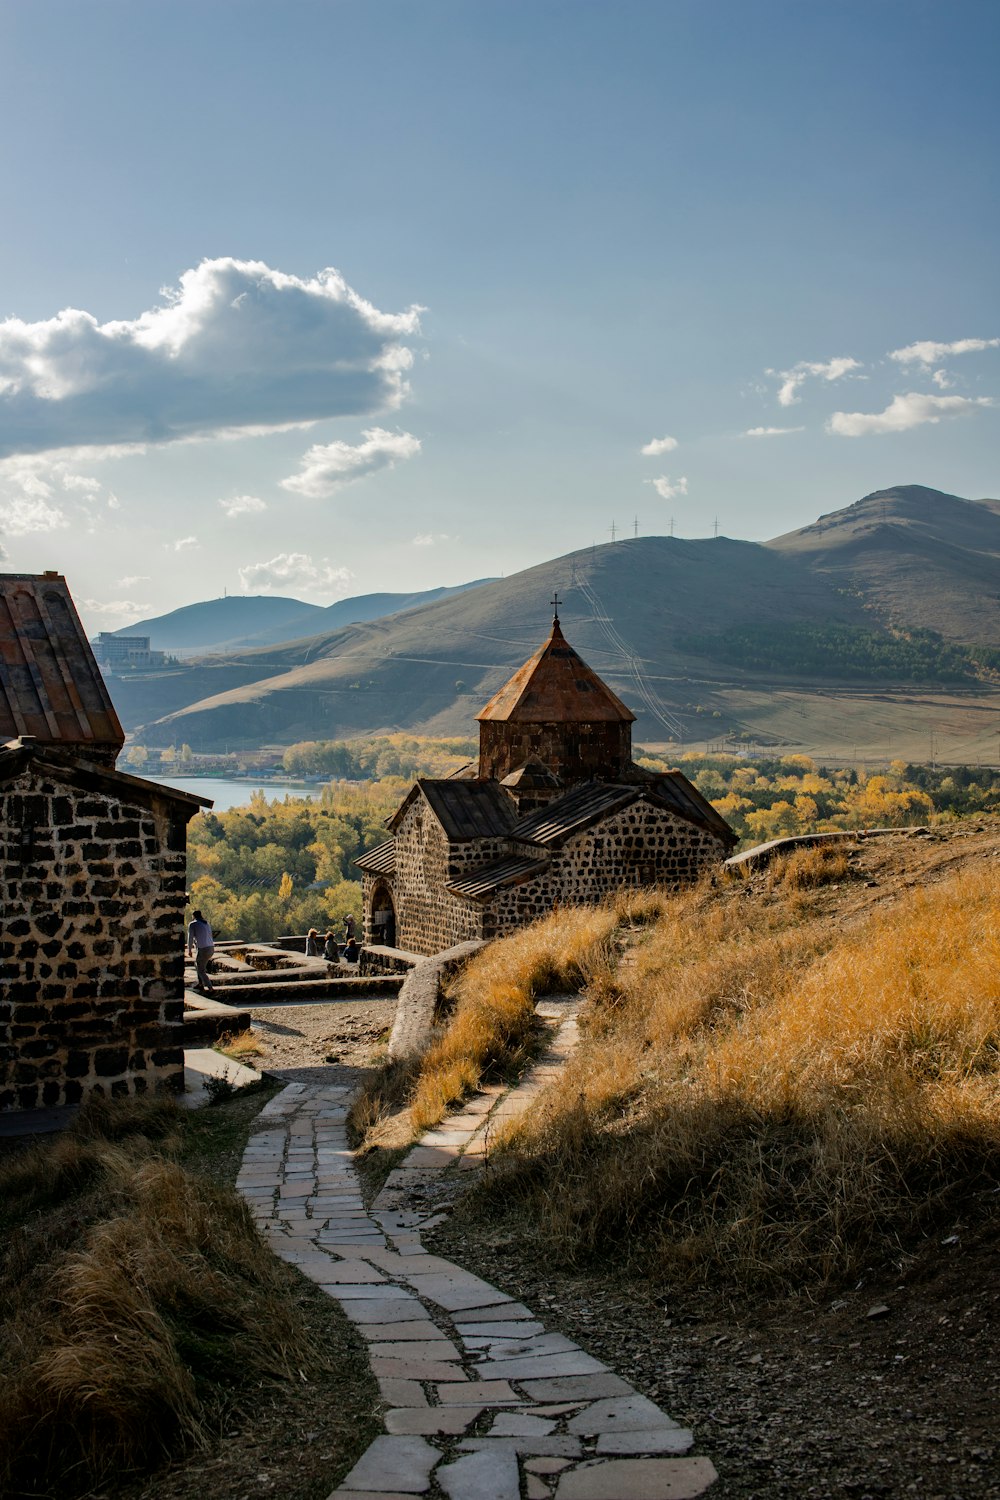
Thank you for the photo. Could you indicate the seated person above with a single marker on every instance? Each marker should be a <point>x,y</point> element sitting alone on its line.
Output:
<point>312,944</point>
<point>351,952</point>
<point>330,950</point>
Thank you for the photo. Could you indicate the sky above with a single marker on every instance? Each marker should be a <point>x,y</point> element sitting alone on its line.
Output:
<point>324,297</point>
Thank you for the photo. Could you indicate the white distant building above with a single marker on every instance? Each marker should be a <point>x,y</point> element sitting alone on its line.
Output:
<point>114,651</point>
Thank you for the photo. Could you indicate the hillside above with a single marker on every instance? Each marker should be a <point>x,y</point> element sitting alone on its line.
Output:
<point>699,637</point>
<point>243,622</point>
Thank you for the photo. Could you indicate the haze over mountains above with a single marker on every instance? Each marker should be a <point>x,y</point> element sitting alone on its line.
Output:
<point>805,639</point>
<point>239,622</point>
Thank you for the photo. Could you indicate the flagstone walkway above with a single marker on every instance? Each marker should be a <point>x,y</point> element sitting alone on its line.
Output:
<point>480,1399</point>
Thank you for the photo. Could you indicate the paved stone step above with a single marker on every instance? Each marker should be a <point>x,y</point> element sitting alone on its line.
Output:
<point>273,991</point>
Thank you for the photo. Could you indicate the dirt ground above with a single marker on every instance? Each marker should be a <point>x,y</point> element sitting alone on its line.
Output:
<point>816,1399</point>
<point>322,1042</point>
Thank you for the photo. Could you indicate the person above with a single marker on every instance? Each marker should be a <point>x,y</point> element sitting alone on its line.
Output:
<point>349,928</point>
<point>330,950</point>
<point>351,951</point>
<point>200,938</point>
<point>312,943</point>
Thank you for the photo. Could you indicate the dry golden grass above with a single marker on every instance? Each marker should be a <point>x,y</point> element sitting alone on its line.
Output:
<point>493,1023</point>
<point>769,1099</point>
<point>135,1297</point>
<point>492,1028</point>
<point>240,1045</point>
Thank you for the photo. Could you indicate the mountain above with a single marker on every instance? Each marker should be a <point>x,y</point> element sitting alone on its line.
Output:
<point>238,623</point>
<point>796,640</point>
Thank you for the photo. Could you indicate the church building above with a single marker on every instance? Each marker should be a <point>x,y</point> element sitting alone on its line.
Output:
<point>557,813</point>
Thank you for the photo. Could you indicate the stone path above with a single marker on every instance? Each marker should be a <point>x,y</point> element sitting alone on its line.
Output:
<point>482,1402</point>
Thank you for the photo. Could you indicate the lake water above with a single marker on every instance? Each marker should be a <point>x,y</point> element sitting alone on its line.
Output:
<point>226,793</point>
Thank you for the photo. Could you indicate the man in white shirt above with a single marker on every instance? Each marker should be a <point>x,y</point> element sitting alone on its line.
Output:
<point>200,938</point>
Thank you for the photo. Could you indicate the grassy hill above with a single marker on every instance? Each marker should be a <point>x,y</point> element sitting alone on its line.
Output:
<point>699,637</point>
<point>243,622</point>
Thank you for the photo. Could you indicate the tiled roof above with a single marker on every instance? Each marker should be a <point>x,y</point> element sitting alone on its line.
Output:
<point>465,809</point>
<point>596,799</point>
<point>556,687</point>
<point>580,807</point>
<point>532,774</point>
<point>51,687</point>
<point>510,871</point>
<point>379,861</point>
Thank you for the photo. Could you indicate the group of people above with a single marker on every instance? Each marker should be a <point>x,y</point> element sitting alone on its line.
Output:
<point>201,947</point>
<point>330,949</point>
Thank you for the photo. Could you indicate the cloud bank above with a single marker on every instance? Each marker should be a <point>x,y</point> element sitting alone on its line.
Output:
<point>793,379</point>
<point>926,352</point>
<point>327,467</point>
<point>657,446</point>
<point>295,570</point>
<point>902,413</point>
<point>236,347</point>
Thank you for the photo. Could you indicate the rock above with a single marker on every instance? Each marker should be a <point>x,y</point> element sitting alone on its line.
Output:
<point>879,1310</point>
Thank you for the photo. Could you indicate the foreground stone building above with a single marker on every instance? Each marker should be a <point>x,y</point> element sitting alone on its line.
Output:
<point>92,870</point>
<point>557,813</point>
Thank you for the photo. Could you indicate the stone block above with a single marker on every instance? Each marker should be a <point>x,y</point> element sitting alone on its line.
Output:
<point>638,1479</point>
<point>400,1463</point>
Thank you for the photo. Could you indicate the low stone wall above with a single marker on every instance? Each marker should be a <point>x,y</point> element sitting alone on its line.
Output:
<point>418,999</point>
<point>761,855</point>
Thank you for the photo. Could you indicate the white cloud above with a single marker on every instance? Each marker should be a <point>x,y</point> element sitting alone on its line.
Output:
<point>27,513</point>
<point>327,467</point>
<point>902,413</point>
<point>771,431</point>
<point>791,380</point>
<point>942,380</point>
<point>237,346</point>
<point>927,352</point>
<point>242,505</point>
<point>429,538</point>
<point>115,612</point>
<point>656,446</point>
<point>667,488</point>
<point>182,544</point>
<point>131,579</point>
<point>36,489</point>
<point>294,570</point>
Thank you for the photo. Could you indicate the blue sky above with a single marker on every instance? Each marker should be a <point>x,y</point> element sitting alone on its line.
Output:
<point>373,295</point>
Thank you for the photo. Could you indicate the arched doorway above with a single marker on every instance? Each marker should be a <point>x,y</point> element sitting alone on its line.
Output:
<point>383,916</point>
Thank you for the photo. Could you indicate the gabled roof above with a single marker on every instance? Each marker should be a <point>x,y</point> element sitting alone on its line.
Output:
<point>513,870</point>
<point>465,809</point>
<point>673,790</point>
<point>51,687</point>
<point>532,775</point>
<point>379,861</point>
<point>556,687</point>
<point>594,800</point>
<point>579,808</point>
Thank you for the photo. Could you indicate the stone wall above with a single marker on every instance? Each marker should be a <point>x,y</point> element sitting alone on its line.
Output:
<point>574,751</point>
<point>91,951</point>
<point>428,917</point>
<point>641,845</point>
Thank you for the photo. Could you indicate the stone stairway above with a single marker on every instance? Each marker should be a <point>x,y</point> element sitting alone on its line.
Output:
<point>482,1402</point>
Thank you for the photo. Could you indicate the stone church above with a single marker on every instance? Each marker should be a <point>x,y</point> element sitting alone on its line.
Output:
<point>557,813</point>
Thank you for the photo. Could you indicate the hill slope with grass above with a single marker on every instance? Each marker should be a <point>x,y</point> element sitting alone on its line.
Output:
<point>696,636</point>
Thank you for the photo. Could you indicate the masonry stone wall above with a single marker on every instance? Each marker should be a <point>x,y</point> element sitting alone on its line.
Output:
<point>91,950</point>
<point>641,845</point>
<point>575,751</point>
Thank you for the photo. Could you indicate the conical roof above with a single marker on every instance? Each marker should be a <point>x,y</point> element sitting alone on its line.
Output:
<point>556,687</point>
